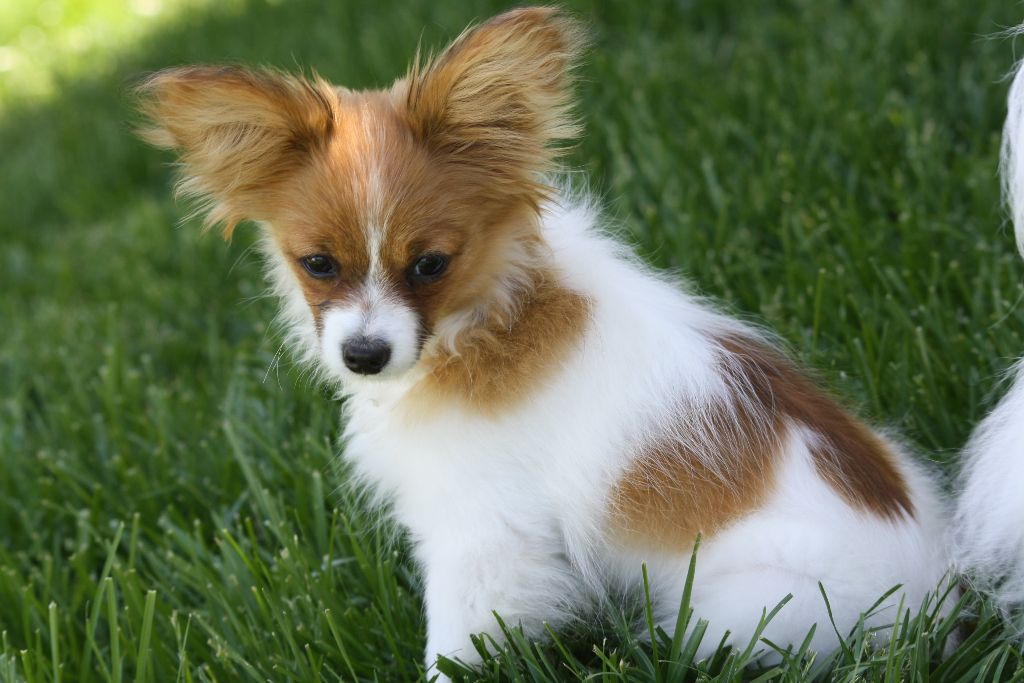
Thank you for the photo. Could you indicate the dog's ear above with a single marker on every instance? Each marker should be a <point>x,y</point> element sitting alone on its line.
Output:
<point>500,97</point>
<point>238,133</point>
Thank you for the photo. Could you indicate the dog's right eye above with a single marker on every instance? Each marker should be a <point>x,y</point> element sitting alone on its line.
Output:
<point>320,266</point>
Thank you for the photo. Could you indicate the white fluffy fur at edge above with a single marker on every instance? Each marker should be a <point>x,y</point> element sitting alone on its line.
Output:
<point>989,522</point>
<point>1011,161</point>
<point>507,514</point>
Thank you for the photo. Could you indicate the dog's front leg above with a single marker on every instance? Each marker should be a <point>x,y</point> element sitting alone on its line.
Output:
<point>462,593</point>
<point>466,583</point>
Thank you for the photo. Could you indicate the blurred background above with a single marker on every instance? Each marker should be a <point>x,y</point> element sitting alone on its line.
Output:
<point>170,499</point>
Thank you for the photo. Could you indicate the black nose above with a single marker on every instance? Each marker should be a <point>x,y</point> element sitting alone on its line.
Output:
<point>365,355</point>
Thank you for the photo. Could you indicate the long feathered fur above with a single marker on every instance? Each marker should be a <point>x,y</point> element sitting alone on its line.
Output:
<point>1011,158</point>
<point>989,524</point>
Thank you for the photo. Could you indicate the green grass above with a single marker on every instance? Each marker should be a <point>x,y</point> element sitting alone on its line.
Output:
<point>171,507</point>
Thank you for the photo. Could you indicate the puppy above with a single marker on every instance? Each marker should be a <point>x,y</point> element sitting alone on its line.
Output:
<point>542,413</point>
<point>989,522</point>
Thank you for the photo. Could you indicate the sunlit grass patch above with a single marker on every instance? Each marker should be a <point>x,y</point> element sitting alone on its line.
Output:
<point>44,42</point>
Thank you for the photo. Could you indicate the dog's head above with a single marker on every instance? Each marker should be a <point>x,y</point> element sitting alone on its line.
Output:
<point>393,217</point>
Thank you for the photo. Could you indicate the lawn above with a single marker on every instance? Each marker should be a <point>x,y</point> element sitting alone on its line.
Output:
<point>171,502</point>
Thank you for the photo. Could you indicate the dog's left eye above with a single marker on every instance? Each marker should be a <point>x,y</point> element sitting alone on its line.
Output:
<point>319,265</point>
<point>428,267</point>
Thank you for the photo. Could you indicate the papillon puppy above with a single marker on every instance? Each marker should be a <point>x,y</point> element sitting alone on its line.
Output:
<point>542,412</point>
<point>989,523</point>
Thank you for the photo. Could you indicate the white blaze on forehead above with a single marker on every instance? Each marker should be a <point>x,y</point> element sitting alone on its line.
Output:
<point>375,220</point>
<point>374,240</point>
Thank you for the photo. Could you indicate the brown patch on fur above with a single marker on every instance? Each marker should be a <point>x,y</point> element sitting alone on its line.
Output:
<point>671,493</point>
<point>499,363</point>
<point>849,455</point>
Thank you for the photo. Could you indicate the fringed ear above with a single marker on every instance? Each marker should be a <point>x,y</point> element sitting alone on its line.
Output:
<point>238,133</point>
<point>500,97</point>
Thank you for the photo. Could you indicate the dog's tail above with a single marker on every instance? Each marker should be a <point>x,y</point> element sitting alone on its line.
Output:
<point>989,524</point>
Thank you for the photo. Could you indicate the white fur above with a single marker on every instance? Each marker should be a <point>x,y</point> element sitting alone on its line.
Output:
<point>375,313</point>
<point>1011,161</point>
<point>294,316</point>
<point>508,513</point>
<point>989,523</point>
<point>806,535</point>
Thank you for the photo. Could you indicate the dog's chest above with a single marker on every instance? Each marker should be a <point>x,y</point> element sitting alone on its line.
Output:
<point>538,467</point>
